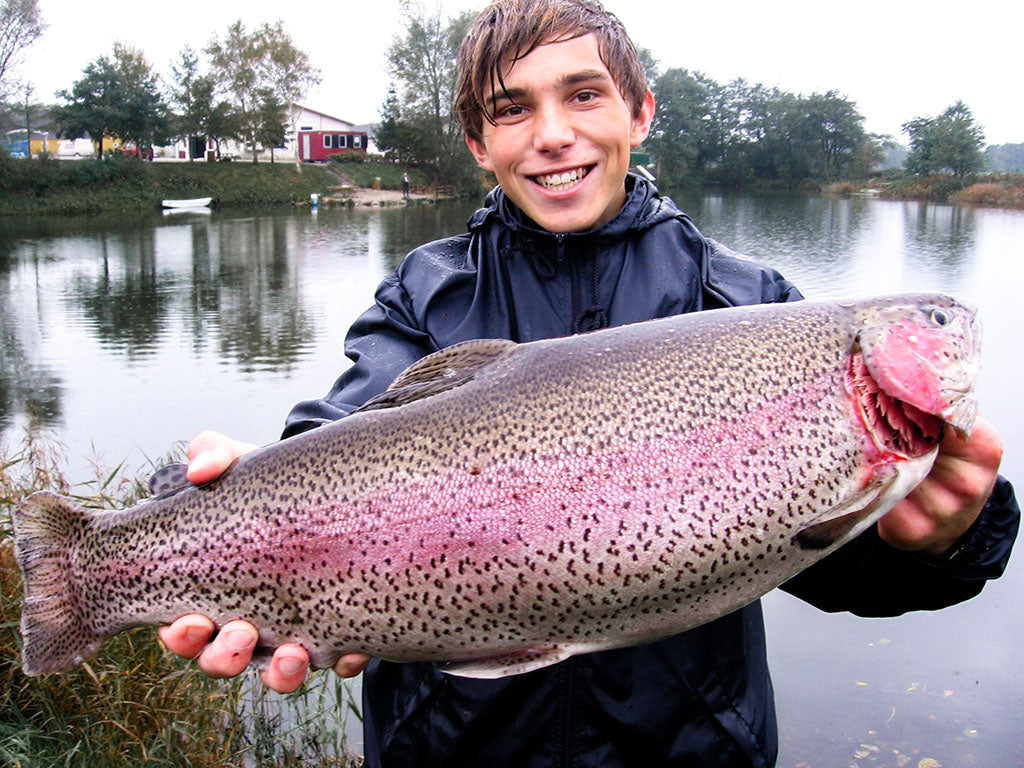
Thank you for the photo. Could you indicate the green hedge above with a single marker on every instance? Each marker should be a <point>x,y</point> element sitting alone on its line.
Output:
<point>47,185</point>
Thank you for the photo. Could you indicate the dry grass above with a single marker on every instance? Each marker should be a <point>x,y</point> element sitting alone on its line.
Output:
<point>998,194</point>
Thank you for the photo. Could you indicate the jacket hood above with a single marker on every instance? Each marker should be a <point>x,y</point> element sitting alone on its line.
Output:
<point>644,207</point>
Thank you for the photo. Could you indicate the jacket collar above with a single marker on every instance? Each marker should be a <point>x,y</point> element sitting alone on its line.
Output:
<point>644,207</point>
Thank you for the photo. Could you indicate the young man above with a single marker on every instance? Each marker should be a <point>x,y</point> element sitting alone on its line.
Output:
<point>552,98</point>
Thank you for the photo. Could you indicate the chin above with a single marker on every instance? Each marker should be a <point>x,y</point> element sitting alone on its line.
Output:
<point>562,222</point>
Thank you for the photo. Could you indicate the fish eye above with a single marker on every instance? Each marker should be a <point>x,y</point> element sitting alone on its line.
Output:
<point>938,317</point>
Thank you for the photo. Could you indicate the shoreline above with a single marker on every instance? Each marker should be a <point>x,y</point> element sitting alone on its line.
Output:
<point>365,196</point>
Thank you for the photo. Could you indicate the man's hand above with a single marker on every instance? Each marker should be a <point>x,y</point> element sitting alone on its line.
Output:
<point>949,499</point>
<point>209,454</point>
<point>231,650</point>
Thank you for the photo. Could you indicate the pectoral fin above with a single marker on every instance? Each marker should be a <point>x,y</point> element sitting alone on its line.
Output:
<point>848,519</point>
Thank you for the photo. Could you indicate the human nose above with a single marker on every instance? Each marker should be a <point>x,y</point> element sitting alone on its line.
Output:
<point>552,129</point>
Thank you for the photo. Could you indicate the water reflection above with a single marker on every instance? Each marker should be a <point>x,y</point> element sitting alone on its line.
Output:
<point>108,302</point>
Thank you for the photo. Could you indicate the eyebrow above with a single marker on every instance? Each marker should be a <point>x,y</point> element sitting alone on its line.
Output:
<point>574,78</point>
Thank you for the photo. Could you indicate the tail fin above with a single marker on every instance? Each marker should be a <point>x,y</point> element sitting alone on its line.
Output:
<point>52,628</point>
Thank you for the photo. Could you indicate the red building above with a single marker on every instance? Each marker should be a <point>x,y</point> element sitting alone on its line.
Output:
<point>318,146</point>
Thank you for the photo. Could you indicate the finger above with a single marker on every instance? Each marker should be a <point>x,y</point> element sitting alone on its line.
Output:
<point>209,454</point>
<point>287,670</point>
<point>984,445</point>
<point>231,650</point>
<point>351,664</point>
<point>187,636</point>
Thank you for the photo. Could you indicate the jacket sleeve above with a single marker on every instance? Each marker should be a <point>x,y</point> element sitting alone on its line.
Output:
<point>869,578</point>
<point>731,279</point>
<point>382,343</point>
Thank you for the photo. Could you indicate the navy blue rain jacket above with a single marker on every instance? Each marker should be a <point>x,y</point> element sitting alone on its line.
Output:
<point>701,698</point>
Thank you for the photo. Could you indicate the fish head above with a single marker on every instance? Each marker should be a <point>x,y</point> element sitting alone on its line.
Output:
<point>915,368</point>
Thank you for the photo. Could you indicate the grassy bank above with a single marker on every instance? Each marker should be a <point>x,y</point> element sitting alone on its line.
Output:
<point>994,190</point>
<point>133,703</point>
<point>363,170</point>
<point>49,186</point>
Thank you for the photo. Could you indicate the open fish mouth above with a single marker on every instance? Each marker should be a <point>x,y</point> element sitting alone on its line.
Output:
<point>895,426</point>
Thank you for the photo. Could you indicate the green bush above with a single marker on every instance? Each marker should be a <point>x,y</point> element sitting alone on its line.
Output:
<point>352,156</point>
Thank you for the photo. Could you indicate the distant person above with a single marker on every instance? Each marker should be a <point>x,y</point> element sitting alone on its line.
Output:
<point>552,97</point>
<point>405,185</point>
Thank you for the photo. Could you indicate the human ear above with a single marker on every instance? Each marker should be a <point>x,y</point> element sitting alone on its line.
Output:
<point>479,150</point>
<point>642,122</point>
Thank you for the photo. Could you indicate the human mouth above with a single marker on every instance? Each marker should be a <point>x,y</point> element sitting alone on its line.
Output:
<point>556,182</point>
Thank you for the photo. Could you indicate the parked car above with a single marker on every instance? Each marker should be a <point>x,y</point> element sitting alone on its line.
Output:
<point>130,150</point>
<point>76,148</point>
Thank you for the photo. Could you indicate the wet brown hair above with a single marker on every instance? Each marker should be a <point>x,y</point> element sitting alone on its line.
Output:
<point>509,30</point>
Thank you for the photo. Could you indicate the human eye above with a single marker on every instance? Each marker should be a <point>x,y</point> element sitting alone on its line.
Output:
<point>509,111</point>
<point>587,96</point>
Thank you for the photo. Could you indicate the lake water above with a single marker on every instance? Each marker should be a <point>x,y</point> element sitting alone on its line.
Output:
<point>126,336</point>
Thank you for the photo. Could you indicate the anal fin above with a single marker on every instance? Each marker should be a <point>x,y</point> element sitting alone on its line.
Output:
<point>515,663</point>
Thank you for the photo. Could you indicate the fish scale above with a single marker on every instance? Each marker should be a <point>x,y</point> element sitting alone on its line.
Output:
<point>503,506</point>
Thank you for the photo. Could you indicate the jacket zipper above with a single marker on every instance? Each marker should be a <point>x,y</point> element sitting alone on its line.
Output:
<point>575,300</point>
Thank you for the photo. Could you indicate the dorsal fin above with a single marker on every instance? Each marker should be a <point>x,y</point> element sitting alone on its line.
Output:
<point>168,480</point>
<point>443,370</point>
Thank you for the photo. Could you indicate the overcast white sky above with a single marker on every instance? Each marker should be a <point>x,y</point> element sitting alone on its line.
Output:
<point>896,59</point>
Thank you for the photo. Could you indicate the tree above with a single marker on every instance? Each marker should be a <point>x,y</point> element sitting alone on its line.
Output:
<point>271,126</point>
<point>115,97</point>
<point>192,95</point>
<point>386,135</point>
<point>950,142</point>
<point>835,132</point>
<point>21,24</point>
<point>220,122</point>
<point>246,66</point>
<point>144,118</point>
<point>676,132</point>
<point>90,109</point>
<point>423,64</point>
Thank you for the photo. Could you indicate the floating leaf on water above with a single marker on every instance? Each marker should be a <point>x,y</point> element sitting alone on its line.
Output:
<point>947,694</point>
<point>928,762</point>
<point>884,641</point>
<point>858,753</point>
<point>861,682</point>
<point>869,747</point>
<point>971,733</point>
<point>912,687</point>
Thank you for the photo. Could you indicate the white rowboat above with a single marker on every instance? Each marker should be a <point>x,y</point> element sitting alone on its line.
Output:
<point>195,202</point>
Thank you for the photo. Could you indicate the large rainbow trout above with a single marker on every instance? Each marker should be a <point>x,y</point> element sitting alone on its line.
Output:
<point>504,506</point>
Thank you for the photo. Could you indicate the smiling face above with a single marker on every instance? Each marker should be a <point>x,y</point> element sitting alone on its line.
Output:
<point>561,136</point>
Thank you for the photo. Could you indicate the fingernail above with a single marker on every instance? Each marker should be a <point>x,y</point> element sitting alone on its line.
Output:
<point>291,665</point>
<point>201,461</point>
<point>239,640</point>
<point>196,633</point>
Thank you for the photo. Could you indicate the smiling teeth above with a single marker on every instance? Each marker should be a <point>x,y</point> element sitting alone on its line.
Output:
<point>559,181</point>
